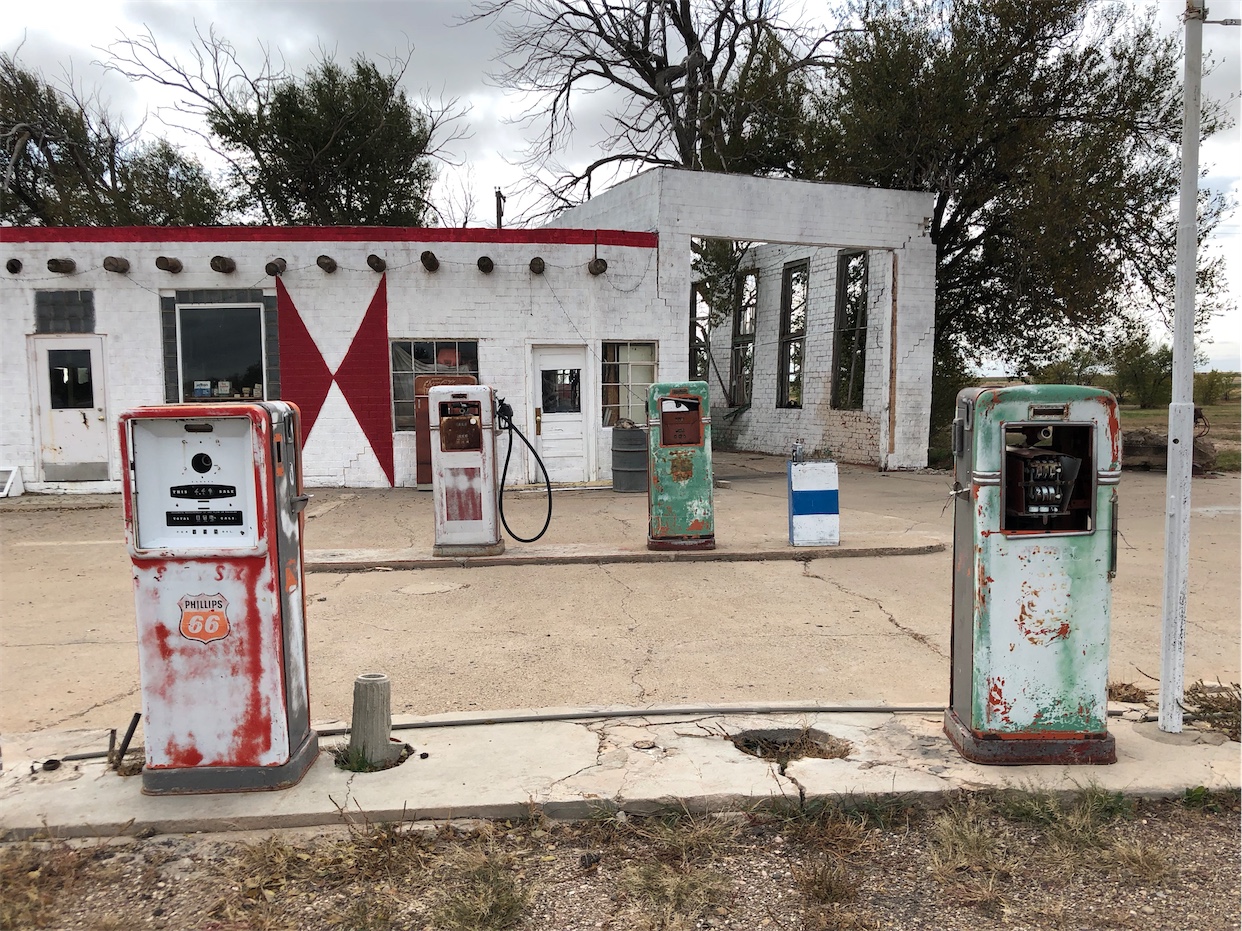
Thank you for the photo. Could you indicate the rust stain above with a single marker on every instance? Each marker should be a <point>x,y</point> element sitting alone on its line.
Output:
<point>681,466</point>
<point>998,707</point>
<point>1036,630</point>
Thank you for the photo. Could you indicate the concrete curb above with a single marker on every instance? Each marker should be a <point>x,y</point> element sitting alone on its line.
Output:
<point>579,770</point>
<point>363,560</point>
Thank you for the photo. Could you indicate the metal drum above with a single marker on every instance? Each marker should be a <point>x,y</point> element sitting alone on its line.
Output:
<point>629,459</point>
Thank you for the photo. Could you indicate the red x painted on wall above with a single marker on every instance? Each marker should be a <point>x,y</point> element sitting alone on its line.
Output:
<point>362,377</point>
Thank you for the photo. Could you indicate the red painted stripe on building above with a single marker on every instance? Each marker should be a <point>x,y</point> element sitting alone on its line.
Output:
<point>374,234</point>
<point>304,376</point>
<point>364,379</point>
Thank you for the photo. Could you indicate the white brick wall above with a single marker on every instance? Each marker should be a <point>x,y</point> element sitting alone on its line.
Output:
<point>824,218</point>
<point>508,312</point>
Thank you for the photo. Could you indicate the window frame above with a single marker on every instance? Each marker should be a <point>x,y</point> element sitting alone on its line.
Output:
<point>742,341</point>
<point>259,308</point>
<point>791,338</point>
<point>629,384</point>
<point>413,398</point>
<point>851,338</point>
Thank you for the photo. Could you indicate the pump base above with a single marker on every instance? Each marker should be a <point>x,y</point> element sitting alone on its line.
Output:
<point>1084,749</point>
<point>707,542</point>
<point>468,549</point>
<point>205,780</point>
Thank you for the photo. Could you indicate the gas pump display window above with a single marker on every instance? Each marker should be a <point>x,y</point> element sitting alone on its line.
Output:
<point>681,422</point>
<point>1048,478</point>
<point>461,426</point>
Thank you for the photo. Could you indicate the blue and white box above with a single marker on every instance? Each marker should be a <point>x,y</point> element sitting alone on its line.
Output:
<point>814,510</point>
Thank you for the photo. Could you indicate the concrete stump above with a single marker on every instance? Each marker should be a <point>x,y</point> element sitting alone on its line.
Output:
<point>371,726</point>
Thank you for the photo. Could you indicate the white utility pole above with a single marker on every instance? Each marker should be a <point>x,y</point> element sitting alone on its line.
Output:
<point>1181,410</point>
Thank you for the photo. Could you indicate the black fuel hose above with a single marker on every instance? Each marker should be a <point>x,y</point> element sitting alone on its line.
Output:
<point>504,417</point>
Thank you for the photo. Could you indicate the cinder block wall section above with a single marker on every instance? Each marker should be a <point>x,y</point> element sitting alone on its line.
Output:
<point>337,348</point>
<point>803,219</point>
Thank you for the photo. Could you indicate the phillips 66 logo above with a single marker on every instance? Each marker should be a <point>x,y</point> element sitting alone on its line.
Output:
<point>204,617</point>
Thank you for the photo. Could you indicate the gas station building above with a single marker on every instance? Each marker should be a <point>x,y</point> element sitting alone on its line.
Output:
<point>831,343</point>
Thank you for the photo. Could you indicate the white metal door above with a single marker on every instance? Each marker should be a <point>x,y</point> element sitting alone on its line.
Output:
<point>561,403</point>
<point>73,421</point>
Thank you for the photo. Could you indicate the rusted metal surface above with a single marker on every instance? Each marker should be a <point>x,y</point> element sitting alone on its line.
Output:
<point>213,526</point>
<point>463,458</point>
<point>680,484</point>
<point>1032,580</point>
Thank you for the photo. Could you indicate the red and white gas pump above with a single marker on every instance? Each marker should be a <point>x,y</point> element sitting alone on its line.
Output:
<point>463,467</point>
<point>213,503</point>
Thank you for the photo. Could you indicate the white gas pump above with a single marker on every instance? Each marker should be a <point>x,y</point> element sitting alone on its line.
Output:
<point>213,503</point>
<point>463,466</point>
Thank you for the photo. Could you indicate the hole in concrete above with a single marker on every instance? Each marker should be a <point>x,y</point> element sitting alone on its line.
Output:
<point>782,744</point>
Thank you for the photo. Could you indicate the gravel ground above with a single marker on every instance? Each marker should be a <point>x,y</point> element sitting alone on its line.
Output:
<point>1015,862</point>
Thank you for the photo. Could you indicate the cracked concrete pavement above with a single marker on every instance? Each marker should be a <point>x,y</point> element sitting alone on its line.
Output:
<point>828,630</point>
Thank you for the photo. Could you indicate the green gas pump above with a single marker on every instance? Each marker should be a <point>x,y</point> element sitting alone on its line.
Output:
<point>679,488</point>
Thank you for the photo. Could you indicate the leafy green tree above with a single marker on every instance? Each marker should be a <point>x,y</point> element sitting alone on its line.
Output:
<point>1049,133</point>
<point>1142,371</point>
<point>66,162</point>
<point>334,146</point>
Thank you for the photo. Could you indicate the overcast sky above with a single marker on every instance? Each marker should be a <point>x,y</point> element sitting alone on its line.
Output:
<point>453,60</point>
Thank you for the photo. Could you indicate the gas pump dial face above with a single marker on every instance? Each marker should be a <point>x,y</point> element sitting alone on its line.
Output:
<point>194,484</point>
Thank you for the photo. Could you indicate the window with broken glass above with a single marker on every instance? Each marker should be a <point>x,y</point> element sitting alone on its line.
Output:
<point>412,357</point>
<point>742,360</point>
<point>849,354</point>
<point>628,370</point>
<point>794,282</point>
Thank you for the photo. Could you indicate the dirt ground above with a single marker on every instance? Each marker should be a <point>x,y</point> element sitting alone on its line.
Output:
<point>1017,861</point>
<point>623,635</point>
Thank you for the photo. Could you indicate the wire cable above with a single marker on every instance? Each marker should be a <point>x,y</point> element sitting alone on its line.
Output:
<point>504,417</point>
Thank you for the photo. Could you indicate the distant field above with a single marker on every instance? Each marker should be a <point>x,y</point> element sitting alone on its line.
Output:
<point>1224,429</point>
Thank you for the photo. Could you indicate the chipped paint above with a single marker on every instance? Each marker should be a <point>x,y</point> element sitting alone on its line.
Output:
<point>680,484</point>
<point>1040,603</point>
<point>235,695</point>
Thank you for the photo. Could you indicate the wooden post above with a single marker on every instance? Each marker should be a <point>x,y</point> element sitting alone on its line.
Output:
<point>167,264</point>
<point>371,726</point>
<point>597,266</point>
<point>116,264</point>
<point>376,263</point>
<point>13,266</point>
<point>223,264</point>
<point>486,264</point>
<point>537,265</point>
<point>327,263</point>
<point>429,260</point>
<point>61,266</point>
<point>276,267</point>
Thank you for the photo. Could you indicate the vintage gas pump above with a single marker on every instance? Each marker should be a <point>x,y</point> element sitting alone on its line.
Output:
<point>213,521</point>
<point>463,465</point>
<point>679,489</point>
<point>1034,556</point>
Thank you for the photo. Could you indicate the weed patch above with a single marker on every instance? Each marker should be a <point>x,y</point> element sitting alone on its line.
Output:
<point>1127,692</point>
<point>482,892</point>
<point>671,897</point>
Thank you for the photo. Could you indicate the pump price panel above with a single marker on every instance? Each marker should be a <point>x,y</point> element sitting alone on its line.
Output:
<point>196,489</point>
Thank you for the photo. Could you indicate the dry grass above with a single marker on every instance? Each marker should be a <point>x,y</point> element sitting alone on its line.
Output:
<point>34,876</point>
<point>671,897</point>
<point>683,838</point>
<point>481,892</point>
<point>827,881</point>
